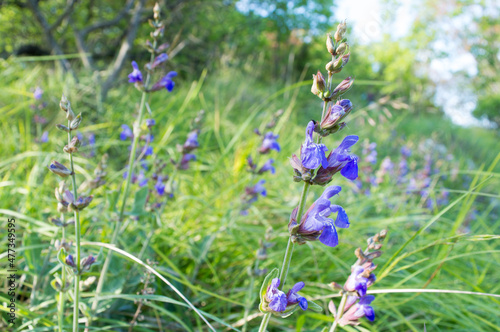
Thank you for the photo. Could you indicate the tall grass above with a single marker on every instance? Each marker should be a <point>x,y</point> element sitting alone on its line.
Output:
<point>203,249</point>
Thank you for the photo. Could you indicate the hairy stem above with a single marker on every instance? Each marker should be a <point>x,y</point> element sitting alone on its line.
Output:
<point>77,241</point>
<point>63,283</point>
<point>288,253</point>
<point>340,312</point>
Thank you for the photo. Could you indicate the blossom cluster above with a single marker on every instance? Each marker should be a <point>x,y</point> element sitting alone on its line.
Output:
<point>357,304</point>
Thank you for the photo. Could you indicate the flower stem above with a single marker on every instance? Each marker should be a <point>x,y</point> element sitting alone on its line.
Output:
<point>131,162</point>
<point>340,312</point>
<point>63,283</point>
<point>288,253</point>
<point>77,242</point>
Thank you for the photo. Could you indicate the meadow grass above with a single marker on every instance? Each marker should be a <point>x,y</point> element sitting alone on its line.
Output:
<point>202,245</point>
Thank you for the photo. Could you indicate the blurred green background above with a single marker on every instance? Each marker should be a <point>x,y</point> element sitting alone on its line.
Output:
<point>426,79</point>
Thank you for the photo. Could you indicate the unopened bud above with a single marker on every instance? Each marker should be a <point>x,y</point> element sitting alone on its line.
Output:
<point>64,103</point>
<point>62,128</point>
<point>330,45</point>
<point>319,84</point>
<point>341,49</point>
<point>69,114</point>
<point>341,29</point>
<point>59,169</point>
<point>86,263</point>
<point>156,11</point>
<point>75,123</point>
<point>383,234</point>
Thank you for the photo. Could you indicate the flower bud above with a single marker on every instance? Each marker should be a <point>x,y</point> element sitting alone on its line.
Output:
<point>86,263</point>
<point>69,114</point>
<point>341,49</point>
<point>75,123</point>
<point>64,103</point>
<point>70,261</point>
<point>330,44</point>
<point>62,128</point>
<point>156,11</point>
<point>59,169</point>
<point>319,84</point>
<point>341,29</point>
<point>343,87</point>
<point>81,203</point>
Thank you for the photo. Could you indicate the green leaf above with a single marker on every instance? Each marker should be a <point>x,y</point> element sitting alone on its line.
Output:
<point>139,202</point>
<point>314,307</point>
<point>61,256</point>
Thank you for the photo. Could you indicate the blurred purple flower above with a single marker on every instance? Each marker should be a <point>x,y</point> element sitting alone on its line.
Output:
<point>136,75</point>
<point>160,187</point>
<point>166,82</point>
<point>142,179</point>
<point>45,137</point>
<point>191,141</point>
<point>150,122</point>
<point>268,166</point>
<point>269,143</point>
<point>126,132</point>
<point>37,94</point>
<point>186,158</point>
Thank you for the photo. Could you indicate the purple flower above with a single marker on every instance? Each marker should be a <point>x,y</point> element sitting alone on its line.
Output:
<point>360,279</point>
<point>142,179</point>
<point>166,82</point>
<point>359,310</point>
<point>269,143</point>
<point>160,187</point>
<point>126,132</point>
<point>191,141</point>
<point>148,151</point>
<point>256,190</point>
<point>277,299</point>
<point>315,224</point>
<point>268,166</point>
<point>150,122</point>
<point>313,154</point>
<point>406,151</point>
<point>186,158</point>
<point>293,298</point>
<point>136,75</point>
<point>341,160</point>
<point>45,137</point>
<point>37,94</point>
<point>158,61</point>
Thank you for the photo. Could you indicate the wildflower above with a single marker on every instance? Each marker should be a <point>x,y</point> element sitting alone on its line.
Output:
<point>359,310</point>
<point>158,61</point>
<point>45,137</point>
<point>319,84</point>
<point>191,141</point>
<point>150,122</point>
<point>370,153</point>
<point>37,94</point>
<point>135,76</point>
<point>277,299</point>
<point>166,82</point>
<point>186,158</point>
<point>313,154</point>
<point>292,297</point>
<point>126,133</point>
<point>335,114</point>
<point>360,278</point>
<point>268,166</point>
<point>160,187</point>
<point>87,262</point>
<point>254,192</point>
<point>70,261</point>
<point>315,224</point>
<point>269,143</point>
<point>59,169</point>
<point>341,160</point>
<point>406,151</point>
<point>142,180</point>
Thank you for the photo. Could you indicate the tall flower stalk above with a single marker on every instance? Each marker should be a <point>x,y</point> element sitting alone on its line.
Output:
<point>145,86</point>
<point>70,202</point>
<point>314,167</point>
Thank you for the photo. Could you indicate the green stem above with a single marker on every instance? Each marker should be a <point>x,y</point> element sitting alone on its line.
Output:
<point>288,253</point>
<point>63,283</point>
<point>77,242</point>
<point>340,312</point>
<point>131,162</point>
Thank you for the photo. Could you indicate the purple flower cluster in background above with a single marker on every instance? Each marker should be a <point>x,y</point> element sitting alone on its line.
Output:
<point>39,120</point>
<point>269,142</point>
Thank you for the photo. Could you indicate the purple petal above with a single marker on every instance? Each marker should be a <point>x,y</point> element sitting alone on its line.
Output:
<point>303,303</point>
<point>331,191</point>
<point>366,299</point>
<point>297,287</point>
<point>279,302</point>
<point>342,219</point>
<point>369,312</point>
<point>329,235</point>
<point>350,170</point>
